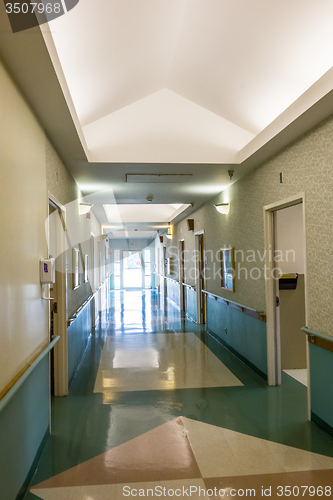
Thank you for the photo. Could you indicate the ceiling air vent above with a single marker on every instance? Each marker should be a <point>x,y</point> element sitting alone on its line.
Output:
<point>158,178</point>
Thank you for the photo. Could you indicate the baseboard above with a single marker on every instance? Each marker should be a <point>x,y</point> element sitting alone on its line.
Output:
<point>244,360</point>
<point>321,423</point>
<point>25,486</point>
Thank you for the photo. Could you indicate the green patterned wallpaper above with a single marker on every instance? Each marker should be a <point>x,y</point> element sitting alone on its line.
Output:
<point>307,166</point>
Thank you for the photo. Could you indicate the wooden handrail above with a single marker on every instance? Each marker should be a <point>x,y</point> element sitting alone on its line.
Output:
<point>73,317</point>
<point>172,280</point>
<point>8,392</point>
<point>316,334</point>
<point>255,313</point>
<point>189,286</point>
<point>77,313</point>
<point>319,339</point>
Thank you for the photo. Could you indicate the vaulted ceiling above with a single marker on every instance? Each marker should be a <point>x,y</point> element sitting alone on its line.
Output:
<point>194,87</point>
<point>187,81</point>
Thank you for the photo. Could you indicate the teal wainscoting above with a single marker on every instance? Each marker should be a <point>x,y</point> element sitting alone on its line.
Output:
<point>78,335</point>
<point>321,376</point>
<point>153,281</point>
<point>111,282</point>
<point>162,289</point>
<point>191,303</point>
<point>24,427</point>
<point>245,335</point>
<point>173,292</point>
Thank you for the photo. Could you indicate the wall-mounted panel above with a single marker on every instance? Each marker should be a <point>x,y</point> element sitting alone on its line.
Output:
<point>321,376</point>
<point>23,427</point>
<point>78,334</point>
<point>173,292</point>
<point>191,303</point>
<point>243,334</point>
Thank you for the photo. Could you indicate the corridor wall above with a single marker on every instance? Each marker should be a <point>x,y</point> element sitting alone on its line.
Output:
<point>306,166</point>
<point>63,187</point>
<point>23,313</point>
<point>30,171</point>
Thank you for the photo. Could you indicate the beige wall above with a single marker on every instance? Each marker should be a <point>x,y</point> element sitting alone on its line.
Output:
<point>290,239</point>
<point>63,187</point>
<point>29,165</point>
<point>306,167</point>
<point>23,314</point>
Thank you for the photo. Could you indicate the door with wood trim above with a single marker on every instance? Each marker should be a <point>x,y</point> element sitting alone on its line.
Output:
<point>200,277</point>
<point>58,291</point>
<point>273,293</point>
<point>182,273</point>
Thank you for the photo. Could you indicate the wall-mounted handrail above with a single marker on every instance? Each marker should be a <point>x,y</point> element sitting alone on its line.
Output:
<point>102,283</point>
<point>255,313</point>
<point>73,317</point>
<point>172,280</point>
<point>80,309</point>
<point>189,286</point>
<point>316,334</point>
<point>28,370</point>
<point>99,287</point>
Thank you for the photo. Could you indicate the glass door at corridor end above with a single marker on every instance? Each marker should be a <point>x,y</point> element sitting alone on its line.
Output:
<point>132,269</point>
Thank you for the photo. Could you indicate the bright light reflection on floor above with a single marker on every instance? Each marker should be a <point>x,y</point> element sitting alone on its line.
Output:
<point>138,358</point>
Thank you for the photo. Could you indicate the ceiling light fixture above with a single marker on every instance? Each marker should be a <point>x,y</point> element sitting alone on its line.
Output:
<point>84,208</point>
<point>169,233</point>
<point>158,178</point>
<point>223,208</point>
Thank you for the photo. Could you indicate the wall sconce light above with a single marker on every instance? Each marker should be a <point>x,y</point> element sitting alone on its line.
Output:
<point>169,233</point>
<point>223,208</point>
<point>84,208</point>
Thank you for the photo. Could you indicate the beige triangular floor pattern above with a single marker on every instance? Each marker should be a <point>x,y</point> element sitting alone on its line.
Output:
<point>184,451</point>
<point>138,363</point>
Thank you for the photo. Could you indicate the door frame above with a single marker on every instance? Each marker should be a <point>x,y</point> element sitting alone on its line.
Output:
<point>181,250</point>
<point>200,297</point>
<point>91,276</point>
<point>61,348</point>
<point>272,323</point>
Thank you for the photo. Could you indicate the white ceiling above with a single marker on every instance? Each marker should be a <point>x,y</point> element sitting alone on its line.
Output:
<point>236,62</point>
<point>132,234</point>
<point>192,87</point>
<point>179,81</point>
<point>128,221</point>
<point>164,127</point>
<point>139,213</point>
